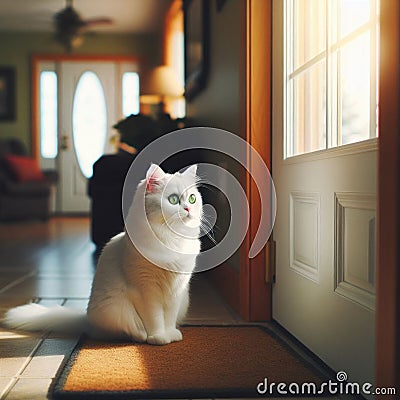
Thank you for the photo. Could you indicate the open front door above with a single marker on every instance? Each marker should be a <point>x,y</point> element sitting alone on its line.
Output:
<point>324,169</point>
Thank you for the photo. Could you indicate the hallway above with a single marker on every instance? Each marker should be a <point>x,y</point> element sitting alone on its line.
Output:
<point>52,263</point>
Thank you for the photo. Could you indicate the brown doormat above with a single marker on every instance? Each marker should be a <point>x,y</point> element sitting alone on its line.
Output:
<point>210,361</point>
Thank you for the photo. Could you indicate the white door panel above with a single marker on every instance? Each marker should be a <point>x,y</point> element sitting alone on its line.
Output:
<point>73,183</point>
<point>325,241</point>
<point>333,323</point>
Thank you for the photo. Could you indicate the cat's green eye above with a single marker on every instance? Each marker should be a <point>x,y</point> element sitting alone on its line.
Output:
<point>173,199</point>
<point>192,199</point>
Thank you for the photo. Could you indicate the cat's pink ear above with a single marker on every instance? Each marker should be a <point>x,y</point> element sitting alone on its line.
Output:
<point>191,170</point>
<point>153,177</point>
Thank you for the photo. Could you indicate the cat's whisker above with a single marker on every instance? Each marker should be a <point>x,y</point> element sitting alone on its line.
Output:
<point>207,223</point>
<point>208,229</point>
<point>210,224</point>
<point>199,178</point>
<point>205,216</point>
<point>210,235</point>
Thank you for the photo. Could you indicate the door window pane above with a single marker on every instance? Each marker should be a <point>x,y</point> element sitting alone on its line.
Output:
<point>353,14</point>
<point>309,30</point>
<point>89,121</point>
<point>355,90</point>
<point>48,114</point>
<point>331,49</point>
<point>130,93</point>
<point>309,121</point>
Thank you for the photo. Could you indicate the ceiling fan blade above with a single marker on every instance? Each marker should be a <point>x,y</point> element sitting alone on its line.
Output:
<point>98,21</point>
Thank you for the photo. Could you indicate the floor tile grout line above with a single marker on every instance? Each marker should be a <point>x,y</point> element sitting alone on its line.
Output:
<point>17,281</point>
<point>8,388</point>
<point>31,356</point>
<point>33,352</point>
<point>14,380</point>
<point>23,367</point>
<point>64,298</point>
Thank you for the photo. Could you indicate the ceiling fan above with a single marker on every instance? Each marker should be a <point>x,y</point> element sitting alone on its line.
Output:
<point>70,26</point>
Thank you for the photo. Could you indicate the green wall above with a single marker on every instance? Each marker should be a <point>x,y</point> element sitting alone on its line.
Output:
<point>16,50</point>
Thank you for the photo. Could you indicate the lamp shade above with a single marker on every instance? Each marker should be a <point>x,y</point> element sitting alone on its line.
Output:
<point>161,83</point>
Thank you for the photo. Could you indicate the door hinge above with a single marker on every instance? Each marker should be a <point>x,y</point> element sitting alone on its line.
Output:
<point>270,261</point>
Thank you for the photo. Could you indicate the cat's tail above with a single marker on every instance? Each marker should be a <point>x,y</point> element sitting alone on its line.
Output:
<point>35,317</point>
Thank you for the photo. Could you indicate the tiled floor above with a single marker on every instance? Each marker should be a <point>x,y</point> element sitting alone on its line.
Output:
<point>52,263</point>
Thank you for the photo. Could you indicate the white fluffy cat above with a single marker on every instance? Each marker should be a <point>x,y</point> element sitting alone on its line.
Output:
<point>140,291</point>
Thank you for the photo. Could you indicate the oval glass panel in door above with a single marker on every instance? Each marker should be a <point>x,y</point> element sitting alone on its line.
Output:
<point>89,121</point>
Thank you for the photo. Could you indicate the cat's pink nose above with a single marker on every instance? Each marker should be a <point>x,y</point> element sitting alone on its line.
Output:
<point>186,209</point>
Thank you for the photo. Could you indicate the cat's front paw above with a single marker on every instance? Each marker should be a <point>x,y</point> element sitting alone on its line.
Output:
<point>158,339</point>
<point>171,335</point>
<point>174,334</point>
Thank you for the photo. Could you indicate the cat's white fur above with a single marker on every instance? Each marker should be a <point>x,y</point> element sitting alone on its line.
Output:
<point>141,286</point>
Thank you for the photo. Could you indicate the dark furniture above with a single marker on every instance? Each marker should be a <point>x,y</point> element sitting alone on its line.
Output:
<point>22,198</point>
<point>109,172</point>
<point>105,190</point>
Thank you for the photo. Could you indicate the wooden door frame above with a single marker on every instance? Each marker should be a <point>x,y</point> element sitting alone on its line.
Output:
<point>249,290</point>
<point>256,122</point>
<point>35,62</point>
<point>388,267</point>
